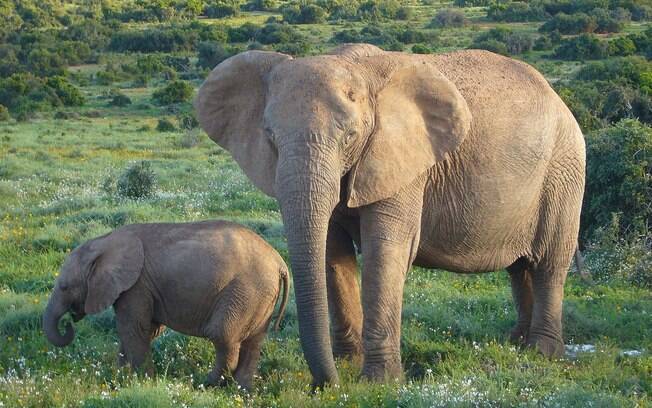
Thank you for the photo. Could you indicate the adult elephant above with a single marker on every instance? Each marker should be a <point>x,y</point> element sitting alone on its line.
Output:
<point>466,161</point>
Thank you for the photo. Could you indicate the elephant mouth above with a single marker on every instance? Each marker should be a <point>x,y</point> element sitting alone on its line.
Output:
<point>76,314</point>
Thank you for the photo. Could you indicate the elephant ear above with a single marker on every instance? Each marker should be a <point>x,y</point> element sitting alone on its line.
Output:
<point>420,119</point>
<point>117,261</point>
<point>230,106</point>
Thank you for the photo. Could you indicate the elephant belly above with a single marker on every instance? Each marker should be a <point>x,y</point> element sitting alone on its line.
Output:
<point>480,222</point>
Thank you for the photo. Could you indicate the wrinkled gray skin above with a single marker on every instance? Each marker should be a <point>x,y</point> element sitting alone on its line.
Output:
<point>465,161</point>
<point>212,279</point>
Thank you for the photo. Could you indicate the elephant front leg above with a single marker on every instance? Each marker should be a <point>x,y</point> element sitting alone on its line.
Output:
<point>389,235</point>
<point>343,293</point>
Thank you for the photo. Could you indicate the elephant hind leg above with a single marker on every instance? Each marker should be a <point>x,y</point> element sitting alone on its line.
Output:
<point>226,361</point>
<point>343,293</point>
<point>521,280</point>
<point>248,360</point>
<point>548,293</point>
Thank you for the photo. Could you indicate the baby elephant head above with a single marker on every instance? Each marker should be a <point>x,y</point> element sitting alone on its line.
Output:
<point>91,279</point>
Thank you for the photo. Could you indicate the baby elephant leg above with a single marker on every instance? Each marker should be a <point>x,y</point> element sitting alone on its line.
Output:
<point>226,361</point>
<point>136,331</point>
<point>249,356</point>
<point>135,341</point>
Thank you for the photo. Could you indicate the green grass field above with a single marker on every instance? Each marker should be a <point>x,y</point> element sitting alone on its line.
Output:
<point>57,189</point>
<point>454,344</point>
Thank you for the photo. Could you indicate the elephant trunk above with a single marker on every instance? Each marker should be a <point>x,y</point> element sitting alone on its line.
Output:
<point>55,310</point>
<point>307,197</point>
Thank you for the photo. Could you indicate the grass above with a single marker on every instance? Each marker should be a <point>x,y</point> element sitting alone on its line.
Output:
<point>53,196</point>
<point>454,347</point>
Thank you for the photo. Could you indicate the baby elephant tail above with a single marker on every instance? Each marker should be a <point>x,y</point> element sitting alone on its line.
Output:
<point>285,280</point>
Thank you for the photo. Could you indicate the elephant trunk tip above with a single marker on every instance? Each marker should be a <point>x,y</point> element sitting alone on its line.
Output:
<point>51,329</point>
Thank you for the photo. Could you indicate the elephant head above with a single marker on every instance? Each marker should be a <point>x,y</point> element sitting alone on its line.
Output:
<point>361,120</point>
<point>91,279</point>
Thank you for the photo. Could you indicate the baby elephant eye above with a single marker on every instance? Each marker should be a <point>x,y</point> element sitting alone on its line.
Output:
<point>63,286</point>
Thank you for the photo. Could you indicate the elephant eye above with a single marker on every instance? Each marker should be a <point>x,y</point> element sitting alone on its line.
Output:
<point>269,133</point>
<point>350,136</point>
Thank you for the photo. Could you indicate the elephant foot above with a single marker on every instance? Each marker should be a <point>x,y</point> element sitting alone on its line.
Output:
<point>215,380</point>
<point>550,347</point>
<point>389,369</point>
<point>519,334</point>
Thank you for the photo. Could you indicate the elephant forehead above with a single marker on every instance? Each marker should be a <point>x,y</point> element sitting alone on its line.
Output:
<point>313,73</point>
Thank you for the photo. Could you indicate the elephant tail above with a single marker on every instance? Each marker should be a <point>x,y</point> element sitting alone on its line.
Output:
<point>579,264</point>
<point>285,281</point>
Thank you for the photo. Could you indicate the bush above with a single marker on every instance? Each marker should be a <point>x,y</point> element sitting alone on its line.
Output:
<point>374,10</point>
<point>244,33</point>
<point>222,10</point>
<point>612,258</point>
<point>165,125</point>
<point>4,114</point>
<point>619,179</point>
<point>304,14</point>
<point>447,18</point>
<point>570,24</point>
<point>120,99</point>
<point>582,47</point>
<point>137,181</point>
<point>622,46</point>
<point>175,92</point>
<point>210,54</point>
<point>404,13</point>
<point>503,41</point>
<point>517,11</point>
<point>190,138</point>
<point>421,49</point>
<point>188,121</point>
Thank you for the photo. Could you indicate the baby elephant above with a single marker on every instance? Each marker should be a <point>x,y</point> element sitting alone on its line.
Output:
<point>211,279</point>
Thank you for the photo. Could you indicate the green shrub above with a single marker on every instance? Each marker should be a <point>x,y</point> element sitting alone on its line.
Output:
<point>517,11</point>
<point>404,13</point>
<point>210,54</point>
<point>447,18</point>
<point>188,121</point>
<point>503,41</point>
<point>582,47</point>
<point>619,178</point>
<point>612,258</point>
<point>174,92</point>
<point>222,10</point>
<point>622,46</point>
<point>421,49</point>
<point>137,181</point>
<point>4,114</point>
<point>190,138</point>
<point>303,14</point>
<point>165,125</point>
<point>570,24</point>
<point>120,99</point>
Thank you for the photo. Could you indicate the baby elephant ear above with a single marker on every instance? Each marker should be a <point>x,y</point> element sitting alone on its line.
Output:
<point>119,259</point>
<point>230,106</point>
<point>421,118</point>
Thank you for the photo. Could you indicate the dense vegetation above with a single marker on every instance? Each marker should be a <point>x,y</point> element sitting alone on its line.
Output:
<point>97,130</point>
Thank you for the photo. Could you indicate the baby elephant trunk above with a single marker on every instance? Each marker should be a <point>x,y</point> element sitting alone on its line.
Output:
<point>285,281</point>
<point>53,313</point>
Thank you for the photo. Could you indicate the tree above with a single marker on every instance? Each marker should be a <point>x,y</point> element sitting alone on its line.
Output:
<point>619,178</point>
